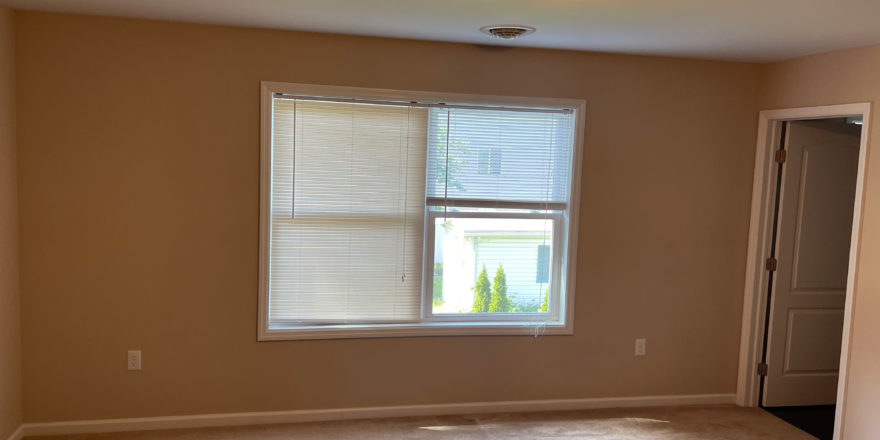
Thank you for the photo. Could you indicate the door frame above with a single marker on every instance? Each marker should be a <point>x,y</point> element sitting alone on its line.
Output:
<point>755,295</point>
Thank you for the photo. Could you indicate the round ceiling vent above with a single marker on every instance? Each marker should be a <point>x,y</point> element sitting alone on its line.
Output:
<point>507,31</point>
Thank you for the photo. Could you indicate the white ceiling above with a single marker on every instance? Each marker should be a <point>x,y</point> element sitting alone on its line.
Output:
<point>746,30</point>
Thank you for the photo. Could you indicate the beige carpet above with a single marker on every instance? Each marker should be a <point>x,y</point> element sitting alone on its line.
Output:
<point>669,423</point>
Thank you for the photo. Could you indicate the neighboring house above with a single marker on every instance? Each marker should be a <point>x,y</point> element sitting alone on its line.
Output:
<point>525,257</point>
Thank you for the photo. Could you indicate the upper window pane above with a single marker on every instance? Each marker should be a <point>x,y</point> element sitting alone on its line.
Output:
<point>476,154</point>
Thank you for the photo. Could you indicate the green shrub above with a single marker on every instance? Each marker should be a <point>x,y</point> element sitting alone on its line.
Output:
<point>500,302</point>
<point>482,293</point>
<point>530,307</point>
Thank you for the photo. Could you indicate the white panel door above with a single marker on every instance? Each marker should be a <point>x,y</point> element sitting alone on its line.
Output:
<point>809,286</point>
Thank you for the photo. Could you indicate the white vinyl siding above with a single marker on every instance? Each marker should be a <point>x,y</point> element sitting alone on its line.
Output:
<point>519,256</point>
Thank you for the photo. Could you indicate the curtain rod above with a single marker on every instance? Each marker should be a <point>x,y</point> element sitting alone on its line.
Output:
<point>422,104</point>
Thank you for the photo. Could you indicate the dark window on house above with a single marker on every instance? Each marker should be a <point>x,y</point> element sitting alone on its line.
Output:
<point>490,161</point>
<point>543,264</point>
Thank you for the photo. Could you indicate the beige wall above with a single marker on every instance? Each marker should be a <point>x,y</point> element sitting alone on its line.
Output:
<point>835,78</point>
<point>139,198</point>
<point>10,330</point>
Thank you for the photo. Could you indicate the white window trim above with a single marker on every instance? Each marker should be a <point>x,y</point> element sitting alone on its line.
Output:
<point>433,327</point>
<point>529,319</point>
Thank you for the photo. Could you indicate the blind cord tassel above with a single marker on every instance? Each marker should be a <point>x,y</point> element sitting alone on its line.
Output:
<point>539,328</point>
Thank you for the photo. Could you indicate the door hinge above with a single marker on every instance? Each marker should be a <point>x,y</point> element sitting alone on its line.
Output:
<point>780,156</point>
<point>762,369</point>
<point>771,264</point>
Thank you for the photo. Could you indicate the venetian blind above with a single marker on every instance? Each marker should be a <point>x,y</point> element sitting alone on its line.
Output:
<point>499,155</point>
<point>348,189</point>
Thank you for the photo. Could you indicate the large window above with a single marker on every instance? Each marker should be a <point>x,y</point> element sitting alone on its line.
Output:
<point>388,213</point>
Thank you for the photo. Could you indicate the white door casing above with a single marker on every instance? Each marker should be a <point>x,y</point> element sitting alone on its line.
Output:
<point>813,248</point>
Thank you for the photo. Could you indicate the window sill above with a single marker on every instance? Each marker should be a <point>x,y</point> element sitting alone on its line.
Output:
<point>288,333</point>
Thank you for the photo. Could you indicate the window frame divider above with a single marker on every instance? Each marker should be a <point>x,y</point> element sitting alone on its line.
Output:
<point>499,204</point>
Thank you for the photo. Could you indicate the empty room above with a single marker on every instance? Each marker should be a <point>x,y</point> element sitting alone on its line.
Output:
<point>464,219</point>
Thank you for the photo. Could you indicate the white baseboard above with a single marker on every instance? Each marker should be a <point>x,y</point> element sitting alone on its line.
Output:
<point>18,434</point>
<point>317,415</point>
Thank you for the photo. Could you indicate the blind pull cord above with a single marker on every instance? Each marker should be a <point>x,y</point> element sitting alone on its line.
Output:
<point>405,196</point>
<point>446,170</point>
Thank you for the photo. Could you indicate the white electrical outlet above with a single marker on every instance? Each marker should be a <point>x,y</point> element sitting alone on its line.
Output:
<point>640,346</point>
<point>134,359</point>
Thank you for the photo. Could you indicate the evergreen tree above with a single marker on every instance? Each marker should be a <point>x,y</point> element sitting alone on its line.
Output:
<point>500,302</point>
<point>546,299</point>
<point>482,292</point>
